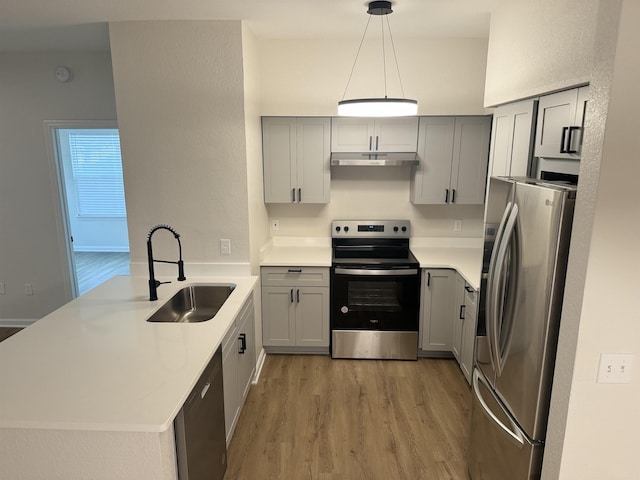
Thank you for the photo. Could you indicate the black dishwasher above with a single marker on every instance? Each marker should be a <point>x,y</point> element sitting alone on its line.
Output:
<point>200,430</point>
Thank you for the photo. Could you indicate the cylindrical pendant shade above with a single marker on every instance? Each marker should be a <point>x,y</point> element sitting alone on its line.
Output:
<point>378,107</point>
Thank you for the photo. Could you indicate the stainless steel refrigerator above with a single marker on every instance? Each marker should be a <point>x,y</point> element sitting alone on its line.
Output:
<point>526,245</point>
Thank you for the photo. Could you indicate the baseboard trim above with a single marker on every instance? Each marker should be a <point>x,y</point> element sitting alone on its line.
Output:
<point>259,364</point>
<point>17,322</point>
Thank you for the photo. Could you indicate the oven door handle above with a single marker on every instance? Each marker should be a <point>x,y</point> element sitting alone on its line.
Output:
<point>364,271</point>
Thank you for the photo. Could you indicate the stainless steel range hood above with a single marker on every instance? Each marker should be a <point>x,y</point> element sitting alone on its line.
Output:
<point>389,159</point>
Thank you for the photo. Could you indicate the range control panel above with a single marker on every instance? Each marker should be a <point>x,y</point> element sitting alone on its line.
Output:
<point>371,228</point>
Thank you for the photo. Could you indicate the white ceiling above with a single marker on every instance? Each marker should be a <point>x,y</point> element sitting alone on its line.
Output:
<point>81,24</point>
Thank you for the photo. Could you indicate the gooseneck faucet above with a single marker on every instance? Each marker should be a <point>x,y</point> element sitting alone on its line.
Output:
<point>153,283</point>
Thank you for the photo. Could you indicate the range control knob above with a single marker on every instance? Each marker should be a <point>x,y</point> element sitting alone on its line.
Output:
<point>404,229</point>
<point>395,229</point>
<point>346,229</point>
<point>337,229</point>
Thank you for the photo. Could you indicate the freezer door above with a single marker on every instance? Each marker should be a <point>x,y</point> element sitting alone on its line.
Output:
<point>498,209</point>
<point>499,449</point>
<point>526,339</point>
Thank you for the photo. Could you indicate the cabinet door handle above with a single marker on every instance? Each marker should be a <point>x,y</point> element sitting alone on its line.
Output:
<point>462,310</point>
<point>299,195</point>
<point>293,195</point>
<point>377,138</point>
<point>370,141</point>
<point>446,196</point>
<point>469,289</point>
<point>453,196</point>
<point>298,295</point>
<point>292,295</point>
<point>294,270</point>
<point>428,279</point>
<point>570,140</point>
<point>563,148</point>
<point>243,343</point>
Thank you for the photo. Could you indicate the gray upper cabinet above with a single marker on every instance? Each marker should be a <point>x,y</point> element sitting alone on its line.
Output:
<point>296,155</point>
<point>454,153</point>
<point>512,138</point>
<point>361,135</point>
<point>560,123</point>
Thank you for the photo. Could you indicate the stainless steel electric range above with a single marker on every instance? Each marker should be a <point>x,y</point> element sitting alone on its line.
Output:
<point>375,290</point>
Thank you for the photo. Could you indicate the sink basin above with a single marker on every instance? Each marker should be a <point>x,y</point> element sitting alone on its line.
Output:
<point>192,304</point>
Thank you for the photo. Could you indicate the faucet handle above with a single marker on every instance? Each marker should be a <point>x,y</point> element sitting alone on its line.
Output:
<point>158,283</point>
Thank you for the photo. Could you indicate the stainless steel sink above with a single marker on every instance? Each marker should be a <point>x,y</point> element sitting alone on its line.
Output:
<point>195,303</point>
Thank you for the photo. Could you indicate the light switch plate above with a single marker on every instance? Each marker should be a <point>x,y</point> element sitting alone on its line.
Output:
<point>457,225</point>
<point>615,368</point>
<point>275,225</point>
<point>225,246</point>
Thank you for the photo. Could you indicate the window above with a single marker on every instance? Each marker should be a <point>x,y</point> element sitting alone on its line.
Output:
<point>97,172</point>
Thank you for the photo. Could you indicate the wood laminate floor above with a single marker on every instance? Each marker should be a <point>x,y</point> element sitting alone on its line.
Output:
<point>311,417</point>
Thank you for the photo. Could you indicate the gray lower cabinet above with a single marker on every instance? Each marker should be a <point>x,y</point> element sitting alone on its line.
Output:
<point>468,334</point>
<point>295,309</point>
<point>238,365</point>
<point>436,309</point>
<point>458,317</point>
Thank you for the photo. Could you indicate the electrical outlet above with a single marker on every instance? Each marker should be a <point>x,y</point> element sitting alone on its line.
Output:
<point>275,225</point>
<point>615,368</point>
<point>28,289</point>
<point>225,246</point>
<point>457,225</point>
<point>3,290</point>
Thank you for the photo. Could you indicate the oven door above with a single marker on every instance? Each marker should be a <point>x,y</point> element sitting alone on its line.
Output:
<point>365,298</point>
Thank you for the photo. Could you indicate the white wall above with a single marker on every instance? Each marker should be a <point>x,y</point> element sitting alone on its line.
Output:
<point>602,438</point>
<point>32,248</point>
<point>591,433</point>
<point>180,101</point>
<point>258,215</point>
<point>539,46</point>
<point>308,77</point>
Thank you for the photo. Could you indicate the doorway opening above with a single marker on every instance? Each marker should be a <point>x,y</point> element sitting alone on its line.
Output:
<point>93,208</point>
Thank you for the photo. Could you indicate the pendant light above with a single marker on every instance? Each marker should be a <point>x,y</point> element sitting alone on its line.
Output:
<point>378,107</point>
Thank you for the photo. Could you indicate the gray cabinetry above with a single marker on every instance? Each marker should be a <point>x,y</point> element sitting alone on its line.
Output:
<point>296,155</point>
<point>361,135</point>
<point>453,153</point>
<point>458,317</point>
<point>512,139</point>
<point>560,122</point>
<point>468,335</point>
<point>238,364</point>
<point>436,310</point>
<point>295,309</point>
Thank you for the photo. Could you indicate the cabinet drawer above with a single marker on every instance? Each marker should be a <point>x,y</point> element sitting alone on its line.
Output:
<point>298,276</point>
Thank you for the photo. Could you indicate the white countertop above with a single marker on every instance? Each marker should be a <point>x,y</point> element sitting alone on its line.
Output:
<point>467,261</point>
<point>461,254</point>
<point>297,251</point>
<point>97,364</point>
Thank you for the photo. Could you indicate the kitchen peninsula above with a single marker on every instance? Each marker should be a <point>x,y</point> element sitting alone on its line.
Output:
<point>93,388</point>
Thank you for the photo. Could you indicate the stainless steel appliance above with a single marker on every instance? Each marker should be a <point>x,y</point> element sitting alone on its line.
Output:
<point>527,234</point>
<point>375,290</point>
<point>199,426</point>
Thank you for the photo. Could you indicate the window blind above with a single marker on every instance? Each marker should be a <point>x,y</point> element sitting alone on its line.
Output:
<point>97,173</point>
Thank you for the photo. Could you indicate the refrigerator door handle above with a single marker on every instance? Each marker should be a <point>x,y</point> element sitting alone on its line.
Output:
<point>508,314</point>
<point>513,433</point>
<point>491,286</point>
<point>498,289</point>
